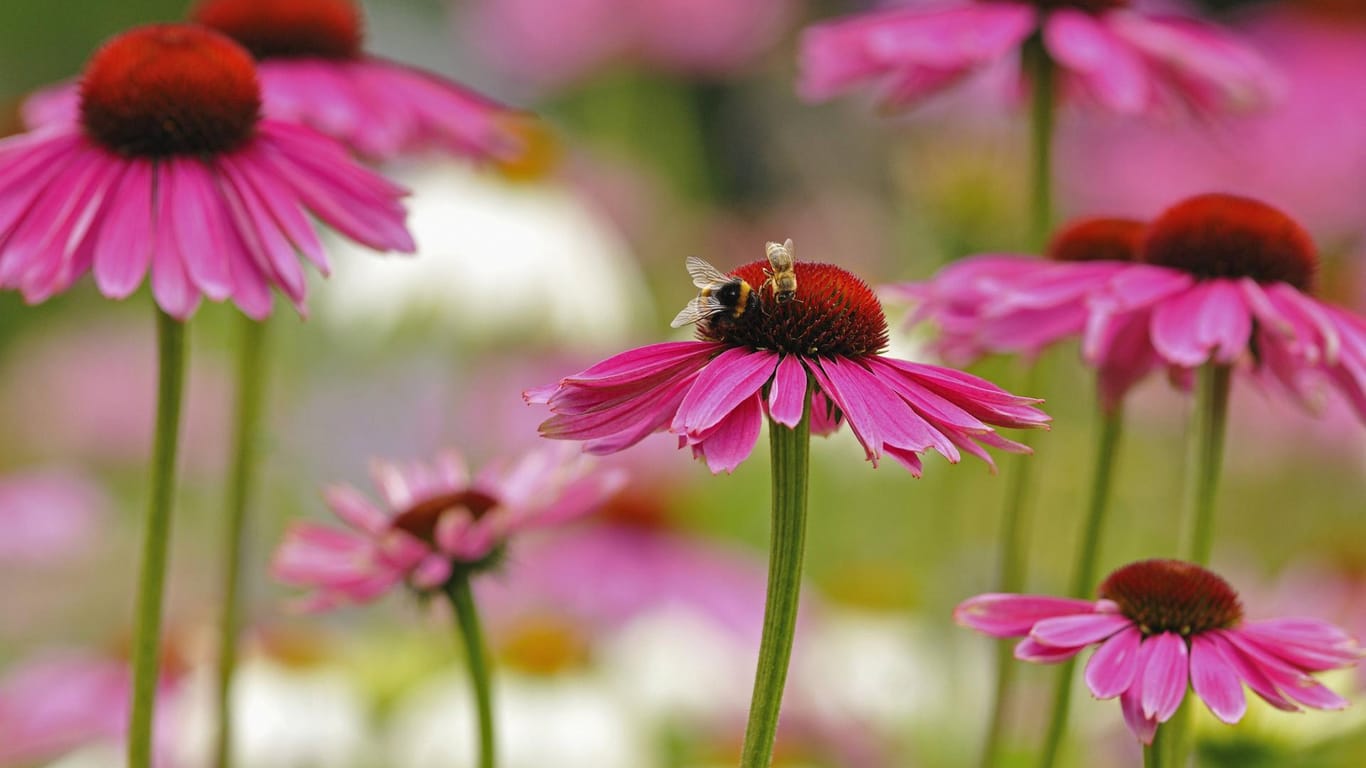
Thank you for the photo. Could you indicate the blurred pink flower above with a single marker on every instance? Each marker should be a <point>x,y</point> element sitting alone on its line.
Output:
<point>1126,60</point>
<point>1161,625</point>
<point>712,393</point>
<point>1223,279</point>
<point>48,514</point>
<point>64,700</point>
<point>435,521</point>
<point>89,394</point>
<point>313,72</point>
<point>1308,155</point>
<point>167,154</point>
<point>554,42</point>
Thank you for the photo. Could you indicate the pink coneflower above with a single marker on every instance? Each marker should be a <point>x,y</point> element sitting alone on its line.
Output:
<point>1124,59</point>
<point>1219,279</point>
<point>714,393</point>
<point>313,71</point>
<point>170,168</point>
<point>435,523</point>
<point>1161,625</point>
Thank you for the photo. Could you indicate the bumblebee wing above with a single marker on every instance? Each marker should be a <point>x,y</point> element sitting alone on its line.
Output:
<point>700,308</point>
<point>703,274</point>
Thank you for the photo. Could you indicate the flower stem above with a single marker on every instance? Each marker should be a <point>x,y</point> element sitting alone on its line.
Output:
<point>790,450</point>
<point>1084,574</point>
<point>1212,415</point>
<point>246,445</point>
<point>156,541</point>
<point>1042,77</point>
<point>1152,753</point>
<point>476,654</point>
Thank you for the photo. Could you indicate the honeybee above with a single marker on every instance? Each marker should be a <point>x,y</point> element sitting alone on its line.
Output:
<point>721,293</point>
<point>782,278</point>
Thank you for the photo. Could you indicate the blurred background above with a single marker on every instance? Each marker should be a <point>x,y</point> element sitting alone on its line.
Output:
<point>676,132</point>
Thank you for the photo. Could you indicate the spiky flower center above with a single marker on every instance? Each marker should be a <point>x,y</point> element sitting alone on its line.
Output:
<point>1099,239</point>
<point>833,313</point>
<point>421,518</point>
<point>326,29</point>
<point>1173,596</point>
<point>170,89</point>
<point>1090,6</point>
<point>1220,235</point>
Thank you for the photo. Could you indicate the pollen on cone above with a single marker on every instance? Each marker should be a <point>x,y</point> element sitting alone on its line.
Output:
<point>1220,235</point>
<point>1098,239</point>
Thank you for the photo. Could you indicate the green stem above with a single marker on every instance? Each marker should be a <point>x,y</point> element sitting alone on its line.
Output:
<point>1042,121</point>
<point>790,450</point>
<point>1174,735</point>
<point>1152,753</point>
<point>246,446</point>
<point>476,654</point>
<point>1084,575</point>
<point>1043,75</point>
<point>156,541</point>
<point>1212,416</point>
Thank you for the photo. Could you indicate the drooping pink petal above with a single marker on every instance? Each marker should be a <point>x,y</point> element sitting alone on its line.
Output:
<point>1112,73</point>
<point>198,224</point>
<point>1034,651</point>
<point>1140,725</point>
<point>1208,322</point>
<point>1009,615</point>
<point>732,440</point>
<point>730,379</point>
<point>1164,662</point>
<point>787,393</point>
<point>355,510</point>
<point>171,285</point>
<point>1072,631</point>
<point>1250,672</point>
<point>1216,680</point>
<point>1309,644</point>
<point>125,238</point>
<point>1114,665</point>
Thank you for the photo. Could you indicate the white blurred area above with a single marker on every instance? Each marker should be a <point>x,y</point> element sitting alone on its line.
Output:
<point>497,259</point>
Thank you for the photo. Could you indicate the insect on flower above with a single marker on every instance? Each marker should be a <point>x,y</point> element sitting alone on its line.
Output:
<point>720,294</point>
<point>782,279</point>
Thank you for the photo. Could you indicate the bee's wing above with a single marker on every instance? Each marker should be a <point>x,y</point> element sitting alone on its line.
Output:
<point>780,257</point>
<point>700,308</point>
<point>703,274</point>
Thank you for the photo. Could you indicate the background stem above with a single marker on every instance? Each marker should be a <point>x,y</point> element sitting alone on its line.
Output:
<point>156,541</point>
<point>1212,415</point>
<point>1084,573</point>
<point>790,450</point>
<point>245,451</point>
<point>476,654</point>
<point>1042,79</point>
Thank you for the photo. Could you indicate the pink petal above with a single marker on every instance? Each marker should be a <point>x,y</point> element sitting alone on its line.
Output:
<point>171,285</point>
<point>1216,680</point>
<point>199,224</point>
<point>1165,671</point>
<point>355,510</point>
<point>1142,726</point>
<point>1074,631</point>
<point>1008,615</point>
<point>1250,672</point>
<point>1112,72</point>
<point>1114,665</point>
<point>1030,649</point>
<point>730,379</point>
<point>727,445</point>
<point>1209,321</point>
<point>787,392</point>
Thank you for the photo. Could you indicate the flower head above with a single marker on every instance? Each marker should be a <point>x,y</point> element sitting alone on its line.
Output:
<point>314,72</point>
<point>1119,57</point>
<point>436,522</point>
<point>1215,279</point>
<point>760,358</point>
<point>168,167</point>
<point>1161,625</point>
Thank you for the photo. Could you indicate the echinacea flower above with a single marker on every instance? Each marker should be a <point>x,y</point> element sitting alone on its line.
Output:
<point>314,72</point>
<point>715,392</point>
<point>1161,626</point>
<point>1215,279</point>
<point>1124,59</point>
<point>168,167</point>
<point>435,523</point>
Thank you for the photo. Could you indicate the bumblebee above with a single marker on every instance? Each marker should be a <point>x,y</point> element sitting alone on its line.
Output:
<point>721,294</point>
<point>782,279</point>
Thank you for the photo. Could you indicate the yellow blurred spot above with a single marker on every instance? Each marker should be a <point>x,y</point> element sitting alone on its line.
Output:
<point>544,645</point>
<point>538,152</point>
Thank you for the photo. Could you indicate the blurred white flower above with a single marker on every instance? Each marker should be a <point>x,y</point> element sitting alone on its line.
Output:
<point>495,258</point>
<point>285,717</point>
<point>566,721</point>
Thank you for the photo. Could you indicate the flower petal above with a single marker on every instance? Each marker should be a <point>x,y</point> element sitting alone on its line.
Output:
<point>1165,672</point>
<point>1216,680</point>
<point>1114,665</point>
<point>730,379</point>
<point>787,393</point>
<point>1008,615</point>
<point>1074,631</point>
